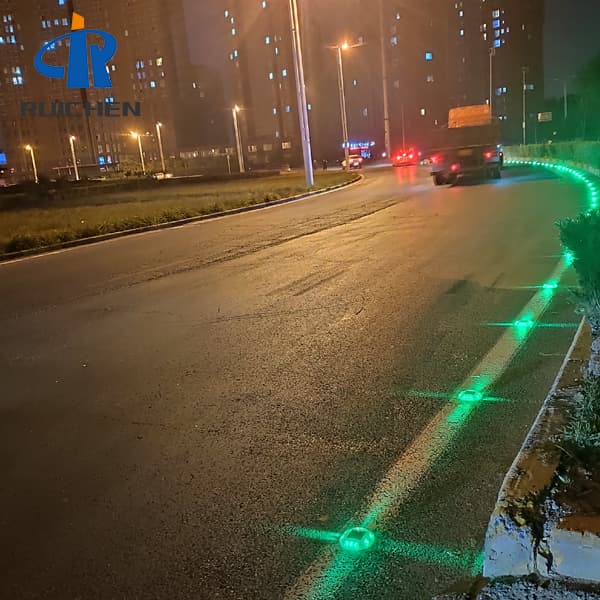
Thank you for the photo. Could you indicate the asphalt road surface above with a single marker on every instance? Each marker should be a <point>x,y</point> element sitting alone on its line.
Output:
<point>199,413</point>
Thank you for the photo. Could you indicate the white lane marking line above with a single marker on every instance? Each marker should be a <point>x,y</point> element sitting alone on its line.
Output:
<point>408,471</point>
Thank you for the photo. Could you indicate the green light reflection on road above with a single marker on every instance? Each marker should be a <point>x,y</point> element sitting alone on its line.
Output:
<point>457,560</point>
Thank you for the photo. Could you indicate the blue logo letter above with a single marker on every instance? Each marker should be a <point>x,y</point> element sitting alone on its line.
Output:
<point>78,68</point>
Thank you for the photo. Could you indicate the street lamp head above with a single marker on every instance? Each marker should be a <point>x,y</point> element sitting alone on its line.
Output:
<point>134,135</point>
<point>28,148</point>
<point>72,138</point>
<point>345,46</point>
<point>159,124</point>
<point>237,108</point>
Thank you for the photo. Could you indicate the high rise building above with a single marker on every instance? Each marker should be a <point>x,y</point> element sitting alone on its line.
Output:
<point>436,55</point>
<point>151,66</point>
<point>506,37</point>
<point>262,78</point>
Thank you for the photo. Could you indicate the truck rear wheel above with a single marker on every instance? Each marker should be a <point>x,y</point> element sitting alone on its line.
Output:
<point>439,179</point>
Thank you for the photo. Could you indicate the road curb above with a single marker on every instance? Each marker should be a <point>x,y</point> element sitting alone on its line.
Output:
<point>172,224</point>
<point>517,547</point>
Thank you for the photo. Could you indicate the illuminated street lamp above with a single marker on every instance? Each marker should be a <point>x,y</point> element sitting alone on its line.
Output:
<point>138,137</point>
<point>342,91</point>
<point>29,149</point>
<point>72,139</point>
<point>160,147</point>
<point>238,137</point>
<point>301,94</point>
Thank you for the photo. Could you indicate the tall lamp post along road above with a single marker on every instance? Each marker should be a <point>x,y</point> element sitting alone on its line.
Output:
<point>238,138</point>
<point>386,98</point>
<point>340,49</point>
<point>29,149</point>
<point>492,54</point>
<point>160,147</point>
<point>525,71</point>
<point>301,94</point>
<point>138,137</point>
<point>72,139</point>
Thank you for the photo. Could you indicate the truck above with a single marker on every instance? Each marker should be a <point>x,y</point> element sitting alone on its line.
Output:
<point>469,146</point>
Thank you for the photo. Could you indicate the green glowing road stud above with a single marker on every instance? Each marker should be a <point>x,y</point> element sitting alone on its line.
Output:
<point>357,539</point>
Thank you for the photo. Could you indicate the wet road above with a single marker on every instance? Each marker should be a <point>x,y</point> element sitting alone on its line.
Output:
<point>198,413</point>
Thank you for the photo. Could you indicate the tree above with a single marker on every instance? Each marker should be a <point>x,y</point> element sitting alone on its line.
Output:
<point>588,84</point>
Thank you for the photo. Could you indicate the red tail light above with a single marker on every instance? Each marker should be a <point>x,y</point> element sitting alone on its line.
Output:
<point>455,167</point>
<point>436,158</point>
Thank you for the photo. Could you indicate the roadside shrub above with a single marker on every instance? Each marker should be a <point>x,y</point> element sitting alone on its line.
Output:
<point>584,429</point>
<point>582,237</point>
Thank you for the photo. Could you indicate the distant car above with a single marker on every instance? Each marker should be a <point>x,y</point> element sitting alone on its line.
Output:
<point>405,158</point>
<point>355,162</point>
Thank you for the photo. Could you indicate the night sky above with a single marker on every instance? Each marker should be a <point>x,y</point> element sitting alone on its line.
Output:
<point>571,36</point>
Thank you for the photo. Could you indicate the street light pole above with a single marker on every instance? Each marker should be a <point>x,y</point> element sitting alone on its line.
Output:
<point>403,130</point>
<point>137,136</point>
<point>238,138</point>
<point>386,98</point>
<point>343,109</point>
<point>72,139</point>
<point>492,54</point>
<point>35,171</point>
<point>301,93</point>
<point>160,147</point>
<point>524,106</point>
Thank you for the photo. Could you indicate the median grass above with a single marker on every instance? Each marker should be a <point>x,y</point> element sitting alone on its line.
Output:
<point>73,219</point>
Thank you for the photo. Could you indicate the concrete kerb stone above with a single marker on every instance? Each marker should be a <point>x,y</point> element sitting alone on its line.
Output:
<point>513,545</point>
<point>172,224</point>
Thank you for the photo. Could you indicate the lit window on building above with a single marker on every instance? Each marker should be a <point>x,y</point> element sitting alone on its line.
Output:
<point>17,80</point>
<point>271,76</point>
<point>284,73</point>
<point>268,40</point>
<point>428,55</point>
<point>288,109</point>
<point>153,84</point>
<point>264,3</point>
<point>233,31</point>
<point>394,40</point>
<point>430,79</point>
<point>159,61</point>
<point>423,112</point>
<point>274,110</point>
